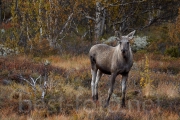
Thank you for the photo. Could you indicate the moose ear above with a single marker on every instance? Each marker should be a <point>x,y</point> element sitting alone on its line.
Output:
<point>131,35</point>
<point>117,34</point>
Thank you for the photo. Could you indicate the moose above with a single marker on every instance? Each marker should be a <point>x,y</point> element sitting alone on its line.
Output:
<point>113,61</point>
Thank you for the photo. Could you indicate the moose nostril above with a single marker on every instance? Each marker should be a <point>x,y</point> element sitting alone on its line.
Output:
<point>123,51</point>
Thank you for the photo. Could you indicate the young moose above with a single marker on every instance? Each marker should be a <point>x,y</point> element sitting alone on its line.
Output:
<point>112,61</point>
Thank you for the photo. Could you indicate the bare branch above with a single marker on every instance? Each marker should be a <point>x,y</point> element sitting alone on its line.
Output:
<point>66,24</point>
<point>127,16</point>
<point>62,38</point>
<point>76,28</point>
<point>22,78</point>
<point>124,4</point>
<point>8,20</point>
<point>37,79</point>
<point>91,18</point>
<point>32,80</point>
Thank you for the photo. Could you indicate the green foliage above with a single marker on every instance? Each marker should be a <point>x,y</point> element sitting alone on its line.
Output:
<point>174,38</point>
<point>173,51</point>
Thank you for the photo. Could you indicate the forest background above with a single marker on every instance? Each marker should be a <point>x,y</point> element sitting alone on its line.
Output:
<point>44,65</point>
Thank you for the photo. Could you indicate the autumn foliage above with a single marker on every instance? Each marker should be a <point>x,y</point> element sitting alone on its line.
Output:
<point>51,40</point>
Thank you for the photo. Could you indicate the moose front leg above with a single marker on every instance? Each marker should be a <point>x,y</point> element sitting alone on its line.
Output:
<point>124,81</point>
<point>98,77</point>
<point>110,91</point>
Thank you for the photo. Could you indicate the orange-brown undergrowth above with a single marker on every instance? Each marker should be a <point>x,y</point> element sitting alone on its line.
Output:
<point>69,93</point>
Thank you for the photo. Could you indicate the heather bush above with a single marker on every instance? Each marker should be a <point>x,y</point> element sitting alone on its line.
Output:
<point>139,43</point>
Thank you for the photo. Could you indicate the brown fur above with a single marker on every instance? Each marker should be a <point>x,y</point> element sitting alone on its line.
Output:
<point>110,59</point>
<point>113,61</point>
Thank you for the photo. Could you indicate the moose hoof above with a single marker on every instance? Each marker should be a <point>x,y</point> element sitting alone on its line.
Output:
<point>123,105</point>
<point>95,98</point>
<point>106,105</point>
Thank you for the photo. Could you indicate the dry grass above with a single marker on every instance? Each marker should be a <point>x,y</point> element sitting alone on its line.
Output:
<point>70,62</point>
<point>69,89</point>
<point>167,90</point>
<point>71,98</point>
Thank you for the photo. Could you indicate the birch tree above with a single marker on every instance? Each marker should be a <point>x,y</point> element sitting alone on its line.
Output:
<point>41,19</point>
<point>54,21</point>
<point>0,10</point>
<point>99,20</point>
<point>55,25</point>
<point>130,14</point>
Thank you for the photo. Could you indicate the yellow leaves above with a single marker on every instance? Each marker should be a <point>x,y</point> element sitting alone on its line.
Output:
<point>12,46</point>
<point>142,81</point>
<point>10,43</point>
<point>145,74</point>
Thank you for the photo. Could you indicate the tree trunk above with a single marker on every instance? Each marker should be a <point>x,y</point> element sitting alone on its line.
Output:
<point>16,5</point>
<point>103,21</point>
<point>52,43</point>
<point>0,10</point>
<point>99,21</point>
<point>40,21</point>
<point>151,12</point>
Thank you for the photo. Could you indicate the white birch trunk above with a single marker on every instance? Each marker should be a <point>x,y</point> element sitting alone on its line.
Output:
<point>151,12</point>
<point>99,21</point>
<point>50,27</point>
<point>0,10</point>
<point>40,20</point>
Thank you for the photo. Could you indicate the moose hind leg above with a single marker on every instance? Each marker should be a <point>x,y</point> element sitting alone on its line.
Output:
<point>98,77</point>
<point>94,73</point>
<point>124,81</point>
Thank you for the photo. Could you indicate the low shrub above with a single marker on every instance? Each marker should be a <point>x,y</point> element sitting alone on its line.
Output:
<point>172,51</point>
<point>139,43</point>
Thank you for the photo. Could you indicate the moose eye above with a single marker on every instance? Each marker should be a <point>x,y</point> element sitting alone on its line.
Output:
<point>128,43</point>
